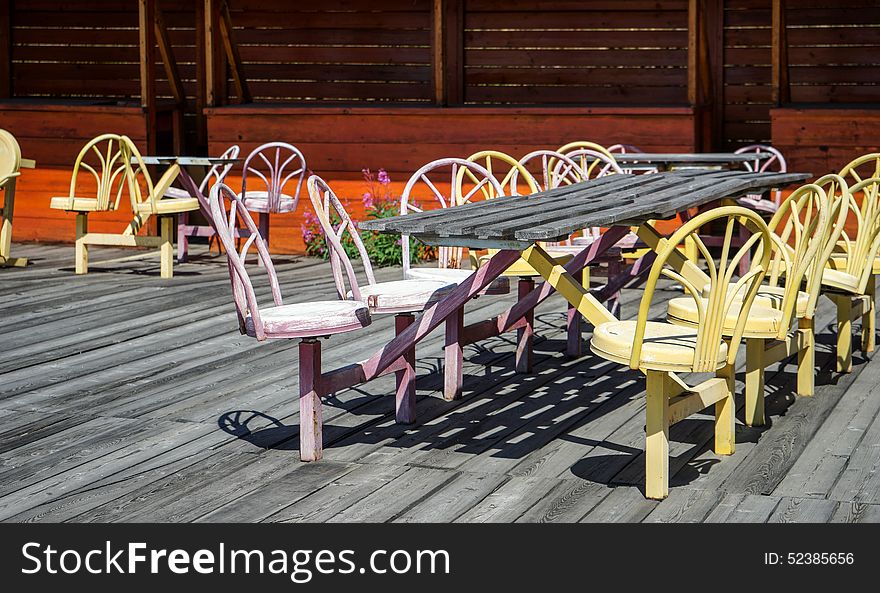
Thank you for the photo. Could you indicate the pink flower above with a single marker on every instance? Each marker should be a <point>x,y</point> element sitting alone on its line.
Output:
<point>368,200</point>
<point>384,179</point>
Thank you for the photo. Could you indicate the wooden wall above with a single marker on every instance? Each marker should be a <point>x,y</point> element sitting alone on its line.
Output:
<point>571,52</point>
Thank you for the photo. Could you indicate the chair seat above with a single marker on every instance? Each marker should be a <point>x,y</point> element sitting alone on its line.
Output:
<point>310,320</point>
<point>522,269</point>
<point>176,192</point>
<point>403,296</point>
<point>666,347</point>
<point>838,262</point>
<point>500,285</point>
<point>258,201</point>
<point>771,296</point>
<point>759,204</point>
<point>170,206</point>
<point>839,281</point>
<point>762,322</point>
<point>79,204</point>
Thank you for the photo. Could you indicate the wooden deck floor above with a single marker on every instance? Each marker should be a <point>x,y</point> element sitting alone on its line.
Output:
<point>130,398</point>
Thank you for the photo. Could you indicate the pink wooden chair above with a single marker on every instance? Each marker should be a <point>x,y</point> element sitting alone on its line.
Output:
<point>402,298</point>
<point>630,149</point>
<point>306,321</point>
<point>274,165</point>
<point>775,163</point>
<point>217,174</point>
<point>431,181</point>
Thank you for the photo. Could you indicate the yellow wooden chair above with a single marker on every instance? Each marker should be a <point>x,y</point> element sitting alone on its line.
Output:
<point>109,159</point>
<point>850,279</point>
<point>10,163</point>
<point>660,349</point>
<point>803,238</point>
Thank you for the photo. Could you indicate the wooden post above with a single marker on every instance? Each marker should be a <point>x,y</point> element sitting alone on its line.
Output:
<point>201,79</point>
<point>780,87</point>
<point>311,421</point>
<point>228,36</point>
<point>5,49</point>
<point>147,45</point>
<point>215,66</point>
<point>447,44</point>
<point>705,69</point>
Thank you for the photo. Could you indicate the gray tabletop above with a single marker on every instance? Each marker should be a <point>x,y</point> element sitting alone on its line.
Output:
<point>519,221</point>
<point>690,158</point>
<point>195,161</point>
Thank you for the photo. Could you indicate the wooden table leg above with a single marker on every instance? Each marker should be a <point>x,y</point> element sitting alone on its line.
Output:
<point>525,336</point>
<point>405,397</point>
<point>574,348</point>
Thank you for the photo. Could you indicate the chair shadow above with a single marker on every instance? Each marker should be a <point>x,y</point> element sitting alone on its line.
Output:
<point>525,412</point>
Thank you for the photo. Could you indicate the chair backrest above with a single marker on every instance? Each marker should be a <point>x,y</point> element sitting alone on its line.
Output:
<point>861,250</point>
<point>509,173</point>
<point>624,149</point>
<point>327,207</point>
<point>630,149</point>
<point>108,159</point>
<point>439,180</point>
<point>592,163</point>
<point>538,163</point>
<point>10,155</point>
<point>276,164</point>
<point>581,145</point>
<point>712,310</point>
<point>775,162</point>
<point>228,214</point>
<point>218,172</point>
<point>801,230</point>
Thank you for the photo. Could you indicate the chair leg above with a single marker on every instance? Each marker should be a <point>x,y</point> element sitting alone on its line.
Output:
<point>574,347</point>
<point>614,270</point>
<point>844,334</point>
<point>166,232</point>
<point>525,335</point>
<point>869,319</point>
<point>82,249</point>
<point>263,227</point>
<point>657,436</point>
<point>183,238</point>
<point>754,413</point>
<point>311,445</point>
<point>405,397</point>
<point>725,418</point>
<point>453,369</point>
<point>806,374</point>
<point>691,251</point>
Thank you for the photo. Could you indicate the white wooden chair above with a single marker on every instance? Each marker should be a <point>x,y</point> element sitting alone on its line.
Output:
<point>437,180</point>
<point>401,298</point>
<point>269,169</point>
<point>185,230</point>
<point>306,321</point>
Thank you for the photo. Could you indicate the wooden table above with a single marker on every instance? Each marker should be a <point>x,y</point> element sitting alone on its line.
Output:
<point>515,225</point>
<point>184,228</point>
<point>666,161</point>
<point>6,258</point>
